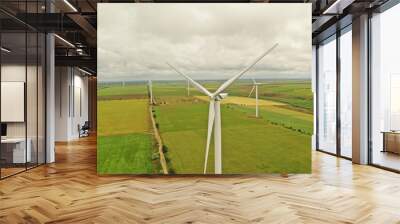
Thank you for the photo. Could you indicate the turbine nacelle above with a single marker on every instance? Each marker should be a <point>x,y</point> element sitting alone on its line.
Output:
<point>220,96</point>
<point>256,83</point>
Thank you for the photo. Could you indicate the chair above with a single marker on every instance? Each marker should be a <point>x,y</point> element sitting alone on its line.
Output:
<point>84,130</point>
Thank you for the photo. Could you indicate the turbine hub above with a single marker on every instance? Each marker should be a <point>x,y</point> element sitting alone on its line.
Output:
<point>221,96</point>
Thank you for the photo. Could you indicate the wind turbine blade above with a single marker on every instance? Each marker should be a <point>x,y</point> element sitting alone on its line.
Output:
<point>231,80</point>
<point>211,115</point>
<point>195,84</point>
<point>252,90</point>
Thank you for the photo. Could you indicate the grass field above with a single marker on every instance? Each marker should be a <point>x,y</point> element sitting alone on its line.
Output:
<point>245,101</point>
<point>278,141</point>
<point>125,154</point>
<point>250,145</point>
<point>125,144</point>
<point>295,93</point>
<point>274,112</point>
<point>118,90</point>
<point>123,116</point>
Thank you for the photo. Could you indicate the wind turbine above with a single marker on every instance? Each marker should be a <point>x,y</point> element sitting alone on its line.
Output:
<point>188,88</point>
<point>150,87</point>
<point>255,87</point>
<point>214,112</point>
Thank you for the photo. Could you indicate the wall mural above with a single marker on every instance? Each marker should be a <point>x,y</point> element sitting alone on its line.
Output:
<point>204,88</point>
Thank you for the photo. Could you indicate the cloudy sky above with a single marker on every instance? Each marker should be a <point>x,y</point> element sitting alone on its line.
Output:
<point>207,41</point>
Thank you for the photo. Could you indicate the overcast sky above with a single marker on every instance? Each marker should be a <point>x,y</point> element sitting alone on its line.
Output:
<point>207,41</point>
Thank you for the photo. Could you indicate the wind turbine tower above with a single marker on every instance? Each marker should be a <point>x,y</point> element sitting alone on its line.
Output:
<point>214,111</point>
<point>255,87</point>
<point>188,88</point>
<point>150,87</point>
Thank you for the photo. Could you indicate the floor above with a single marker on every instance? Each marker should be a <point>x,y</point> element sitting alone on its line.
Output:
<point>69,191</point>
<point>5,172</point>
<point>387,159</point>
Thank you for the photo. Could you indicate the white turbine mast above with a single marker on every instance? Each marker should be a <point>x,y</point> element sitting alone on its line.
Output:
<point>188,88</point>
<point>255,87</point>
<point>214,112</point>
<point>150,87</point>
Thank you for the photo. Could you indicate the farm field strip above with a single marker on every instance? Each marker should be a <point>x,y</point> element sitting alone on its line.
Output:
<point>295,94</point>
<point>125,154</point>
<point>240,100</point>
<point>268,105</point>
<point>257,155</point>
<point>253,152</point>
<point>271,111</point>
<point>278,141</point>
<point>113,90</point>
<point>123,116</point>
<point>125,141</point>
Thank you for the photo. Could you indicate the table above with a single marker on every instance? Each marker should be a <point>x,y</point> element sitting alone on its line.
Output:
<point>391,141</point>
<point>19,155</point>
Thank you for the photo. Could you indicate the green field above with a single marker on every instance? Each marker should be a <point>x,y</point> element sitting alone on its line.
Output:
<point>123,116</point>
<point>250,145</point>
<point>125,142</point>
<point>125,154</point>
<point>118,90</point>
<point>297,94</point>
<point>279,141</point>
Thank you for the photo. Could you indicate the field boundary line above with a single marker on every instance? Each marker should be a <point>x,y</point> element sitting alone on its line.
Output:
<point>159,142</point>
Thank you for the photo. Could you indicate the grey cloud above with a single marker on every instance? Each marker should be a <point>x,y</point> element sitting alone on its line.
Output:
<point>209,41</point>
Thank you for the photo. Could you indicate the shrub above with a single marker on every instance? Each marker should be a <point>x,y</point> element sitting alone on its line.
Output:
<point>171,171</point>
<point>155,156</point>
<point>164,148</point>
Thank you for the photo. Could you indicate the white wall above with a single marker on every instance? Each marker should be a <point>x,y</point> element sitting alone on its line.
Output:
<point>80,118</point>
<point>62,82</point>
<point>13,101</point>
<point>16,73</point>
<point>71,87</point>
<point>33,126</point>
<point>79,103</point>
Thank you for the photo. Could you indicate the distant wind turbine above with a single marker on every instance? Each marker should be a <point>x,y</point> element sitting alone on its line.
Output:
<point>188,88</point>
<point>150,87</point>
<point>214,112</point>
<point>255,87</point>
